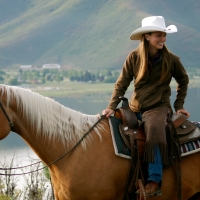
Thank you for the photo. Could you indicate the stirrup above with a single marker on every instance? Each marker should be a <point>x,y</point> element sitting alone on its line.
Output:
<point>141,191</point>
<point>156,193</point>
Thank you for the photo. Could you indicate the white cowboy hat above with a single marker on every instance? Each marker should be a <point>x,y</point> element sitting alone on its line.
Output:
<point>152,24</point>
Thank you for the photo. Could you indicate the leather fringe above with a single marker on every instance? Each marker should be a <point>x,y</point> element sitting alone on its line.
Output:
<point>150,152</point>
<point>174,147</point>
<point>171,152</point>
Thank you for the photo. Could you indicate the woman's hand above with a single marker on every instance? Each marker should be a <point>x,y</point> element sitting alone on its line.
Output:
<point>183,111</point>
<point>107,112</point>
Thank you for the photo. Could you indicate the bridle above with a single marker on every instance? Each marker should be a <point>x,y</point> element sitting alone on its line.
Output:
<point>9,121</point>
<point>45,166</point>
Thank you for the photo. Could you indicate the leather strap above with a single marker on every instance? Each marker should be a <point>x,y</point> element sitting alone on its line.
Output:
<point>143,195</point>
<point>178,180</point>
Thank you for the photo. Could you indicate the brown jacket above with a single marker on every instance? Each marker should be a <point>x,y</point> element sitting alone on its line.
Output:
<point>149,92</point>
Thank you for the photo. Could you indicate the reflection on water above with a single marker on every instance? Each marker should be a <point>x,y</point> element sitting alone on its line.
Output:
<point>198,93</point>
<point>95,103</point>
<point>192,103</point>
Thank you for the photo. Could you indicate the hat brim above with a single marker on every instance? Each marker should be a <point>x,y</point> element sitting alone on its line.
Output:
<point>137,34</point>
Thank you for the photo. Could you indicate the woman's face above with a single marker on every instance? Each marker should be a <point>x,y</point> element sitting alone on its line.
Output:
<point>156,40</point>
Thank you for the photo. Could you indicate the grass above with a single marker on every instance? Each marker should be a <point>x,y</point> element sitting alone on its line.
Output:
<point>73,89</point>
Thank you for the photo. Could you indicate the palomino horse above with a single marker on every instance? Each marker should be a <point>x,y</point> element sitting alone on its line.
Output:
<point>91,171</point>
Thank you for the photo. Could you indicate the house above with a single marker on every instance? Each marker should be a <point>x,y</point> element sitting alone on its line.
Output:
<point>51,66</point>
<point>25,67</point>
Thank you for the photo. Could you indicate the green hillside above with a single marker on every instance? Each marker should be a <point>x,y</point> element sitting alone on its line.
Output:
<point>89,34</point>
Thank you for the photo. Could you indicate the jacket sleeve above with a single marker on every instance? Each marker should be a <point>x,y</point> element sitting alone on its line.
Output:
<point>181,77</point>
<point>123,82</point>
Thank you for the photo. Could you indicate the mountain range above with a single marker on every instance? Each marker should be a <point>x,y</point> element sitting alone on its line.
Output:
<point>90,34</point>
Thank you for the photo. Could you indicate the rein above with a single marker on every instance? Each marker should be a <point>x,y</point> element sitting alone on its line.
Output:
<point>12,125</point>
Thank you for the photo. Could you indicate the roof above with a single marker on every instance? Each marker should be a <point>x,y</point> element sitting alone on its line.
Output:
<point>25,66</point>
<point>50,66</point>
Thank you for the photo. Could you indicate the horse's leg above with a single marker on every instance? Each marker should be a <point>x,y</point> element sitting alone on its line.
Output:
<point>56,187</point>
<point>60,190</point>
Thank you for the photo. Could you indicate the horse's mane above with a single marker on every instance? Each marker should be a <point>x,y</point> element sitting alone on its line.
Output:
<point>49,117</point>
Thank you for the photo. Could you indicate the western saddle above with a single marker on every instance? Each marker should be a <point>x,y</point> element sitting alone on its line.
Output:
<point>132,132</point>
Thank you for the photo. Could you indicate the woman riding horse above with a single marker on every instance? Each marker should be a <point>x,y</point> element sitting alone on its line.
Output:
<point>152,67</point>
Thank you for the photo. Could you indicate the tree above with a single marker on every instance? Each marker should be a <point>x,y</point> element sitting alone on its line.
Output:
<point>1,78</point>
<point>72,72</point>
<point>2,72</point>
<point>20,71</point>
<point>43,80</point>
<point>72,78</point>
<point>58,77</point>
<point>24,75</point>
<point>110,79</point>
<point>36,74</point>
<point>86,76</point>
<point>13,81</point>
<point>109,73</point>
<point>49,77</point>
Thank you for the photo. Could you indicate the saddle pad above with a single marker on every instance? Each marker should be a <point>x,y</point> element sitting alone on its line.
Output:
<point>122,151</point>
<point>119,146</point>
<point>192,146</point>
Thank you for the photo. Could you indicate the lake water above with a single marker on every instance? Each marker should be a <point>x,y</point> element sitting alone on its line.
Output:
<point>95,103</point>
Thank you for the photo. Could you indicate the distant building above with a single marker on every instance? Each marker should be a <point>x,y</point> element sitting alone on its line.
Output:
<point>24,67</point>
<point>51,66</point>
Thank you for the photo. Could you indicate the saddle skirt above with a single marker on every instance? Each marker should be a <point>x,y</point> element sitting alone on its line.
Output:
<point>186,130</point>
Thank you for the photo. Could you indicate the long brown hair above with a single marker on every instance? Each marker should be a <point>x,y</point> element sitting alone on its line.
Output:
<point>142,60</point>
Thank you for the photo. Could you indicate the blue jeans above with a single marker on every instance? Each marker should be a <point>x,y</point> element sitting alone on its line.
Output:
<point>155,169</point>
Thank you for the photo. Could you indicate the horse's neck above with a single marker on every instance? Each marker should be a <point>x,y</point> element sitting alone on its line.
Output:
<point>46,149</point>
